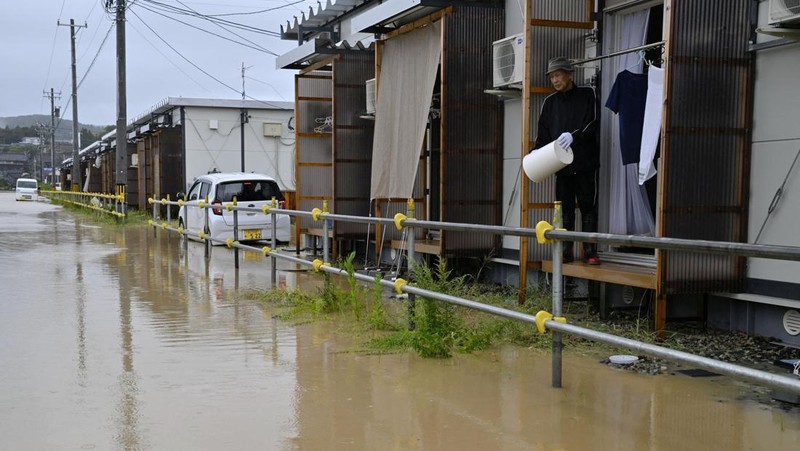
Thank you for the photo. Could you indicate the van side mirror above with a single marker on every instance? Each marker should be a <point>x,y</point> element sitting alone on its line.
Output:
<point>181,194</point>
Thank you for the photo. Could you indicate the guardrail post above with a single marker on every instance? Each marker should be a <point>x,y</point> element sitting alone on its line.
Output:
<point>274,243</point>
<point>325,231</point>
<point>411,255</point>
<point>169,216</point>
<point>121,195</point>
<point>235,233</point>
<point>558,294</point>
<point>155,222</point>
<point>206,230</point>
<point>185,234</point>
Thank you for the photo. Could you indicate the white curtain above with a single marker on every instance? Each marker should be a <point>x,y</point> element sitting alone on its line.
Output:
<point>630,212</point>
<point>408,73</point>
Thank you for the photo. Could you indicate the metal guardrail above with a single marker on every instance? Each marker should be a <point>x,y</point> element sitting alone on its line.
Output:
<point>112,204</point>
<point>545,233</point>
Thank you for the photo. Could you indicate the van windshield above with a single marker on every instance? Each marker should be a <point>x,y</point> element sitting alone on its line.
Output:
<point>27,184</point>
<point>248,191</point>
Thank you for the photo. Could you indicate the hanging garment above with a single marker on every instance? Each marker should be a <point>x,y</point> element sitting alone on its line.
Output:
<point>629,212</point>
<point>627,99</point>
<point>652,123</point>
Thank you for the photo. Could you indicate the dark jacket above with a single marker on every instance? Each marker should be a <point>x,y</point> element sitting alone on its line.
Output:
<point>576,112</point>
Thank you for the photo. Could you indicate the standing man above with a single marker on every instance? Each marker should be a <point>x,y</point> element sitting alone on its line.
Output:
<point>569,116</point>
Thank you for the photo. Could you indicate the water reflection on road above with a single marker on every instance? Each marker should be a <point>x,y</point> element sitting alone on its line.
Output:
<point>114,339</point>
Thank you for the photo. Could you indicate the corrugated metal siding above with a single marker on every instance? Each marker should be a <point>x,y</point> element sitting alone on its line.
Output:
<point>562,10</point>
<point>352,141</point>
<point>472,147</point>
<point>314,156</point>
<point>170,158</point>
<point>706,160</point>
<point>546,43</point>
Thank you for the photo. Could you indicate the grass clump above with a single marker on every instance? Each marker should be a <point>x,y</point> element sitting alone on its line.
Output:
<point>429,327</point>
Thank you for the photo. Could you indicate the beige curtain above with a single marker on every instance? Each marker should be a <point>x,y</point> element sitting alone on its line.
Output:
<point>408,73</point>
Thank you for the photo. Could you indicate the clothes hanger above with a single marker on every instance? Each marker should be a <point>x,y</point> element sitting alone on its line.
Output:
<point>638,62</point>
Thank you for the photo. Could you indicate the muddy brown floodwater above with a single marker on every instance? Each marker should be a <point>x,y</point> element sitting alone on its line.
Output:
<point>113,339</point>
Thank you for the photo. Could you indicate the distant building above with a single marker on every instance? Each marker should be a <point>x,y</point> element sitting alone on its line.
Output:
<point>31,141</point>
<point>12,165</point>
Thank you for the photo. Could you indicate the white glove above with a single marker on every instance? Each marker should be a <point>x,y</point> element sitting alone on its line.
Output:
<point>565,140</point>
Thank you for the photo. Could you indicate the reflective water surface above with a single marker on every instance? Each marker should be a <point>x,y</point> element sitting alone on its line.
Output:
<point>111,338</point>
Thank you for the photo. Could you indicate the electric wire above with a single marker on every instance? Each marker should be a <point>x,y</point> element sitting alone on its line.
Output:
<point>52,53</point>
<point>183,57</point>
<point>198,67</point>
<point>251,46</point>
<point>257,12</point>
<point>169,60</point>
<point>267,84</point>
<point>777,197</point>
<point>244,27</point>
<point>229,31</point>
<point>175,10</point>
<point>102,44</point>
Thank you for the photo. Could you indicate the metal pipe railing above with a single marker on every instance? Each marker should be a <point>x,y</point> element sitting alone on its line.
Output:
<point>557,325</point>
<point>84,200</point>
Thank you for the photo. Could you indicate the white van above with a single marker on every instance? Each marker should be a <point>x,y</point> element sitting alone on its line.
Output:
<point>27,189</point>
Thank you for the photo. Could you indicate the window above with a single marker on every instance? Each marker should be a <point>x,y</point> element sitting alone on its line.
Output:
<point>248,191</point>
<point>27,184</point>
<point>194,193</point>
<point>204,187</point>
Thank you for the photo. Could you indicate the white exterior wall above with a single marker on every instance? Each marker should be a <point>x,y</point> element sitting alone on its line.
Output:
<point>512,131</point>
<point>208,149</point>
<point>776,141</point>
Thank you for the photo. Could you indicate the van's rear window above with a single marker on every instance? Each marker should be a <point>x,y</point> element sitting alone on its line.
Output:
<point>27,184</point>
<point>248,191</point>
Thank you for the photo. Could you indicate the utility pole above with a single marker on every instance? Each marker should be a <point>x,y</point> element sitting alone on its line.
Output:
<point>121,156</point>
<point>41,151</point>
<point>76,161</point>
<point>53,114</point>
<point>243,114</point>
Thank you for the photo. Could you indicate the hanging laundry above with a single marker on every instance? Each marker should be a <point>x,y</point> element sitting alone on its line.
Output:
<point>627,99</point>
<point>651,133</point>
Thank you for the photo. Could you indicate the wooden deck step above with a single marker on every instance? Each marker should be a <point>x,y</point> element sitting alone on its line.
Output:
<point>609,271</point>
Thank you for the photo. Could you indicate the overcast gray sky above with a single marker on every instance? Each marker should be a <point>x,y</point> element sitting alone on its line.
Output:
<point>36,54</point>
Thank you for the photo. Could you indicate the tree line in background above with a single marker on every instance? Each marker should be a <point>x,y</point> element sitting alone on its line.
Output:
<point>11,136</point>
<point>37,157</point>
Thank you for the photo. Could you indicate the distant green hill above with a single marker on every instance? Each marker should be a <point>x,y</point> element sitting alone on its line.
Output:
<point>63,132</point>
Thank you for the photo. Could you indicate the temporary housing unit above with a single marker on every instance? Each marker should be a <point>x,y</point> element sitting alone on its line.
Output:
<point>333,133</point>
<point>769,305</point>
<point>434,135</point>
<point>182,138</point>
<point>710,125</point>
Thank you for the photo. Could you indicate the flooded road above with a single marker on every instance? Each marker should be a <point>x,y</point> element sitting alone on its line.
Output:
<point>113,339</point>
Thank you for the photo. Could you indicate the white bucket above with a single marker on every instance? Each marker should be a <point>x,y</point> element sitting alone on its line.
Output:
<point>546,161</point>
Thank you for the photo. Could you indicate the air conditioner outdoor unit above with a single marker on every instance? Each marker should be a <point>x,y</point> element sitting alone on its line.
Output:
<point>507,61</point>
<point>784,11</point>
<point>370,87</point>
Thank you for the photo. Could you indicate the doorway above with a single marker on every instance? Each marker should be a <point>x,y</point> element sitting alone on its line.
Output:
<point>627,206</point>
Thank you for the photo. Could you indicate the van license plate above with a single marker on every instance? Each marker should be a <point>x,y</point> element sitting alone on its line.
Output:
<point>252,234</point>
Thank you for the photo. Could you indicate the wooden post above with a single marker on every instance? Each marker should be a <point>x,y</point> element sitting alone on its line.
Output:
<point>526,135</point>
